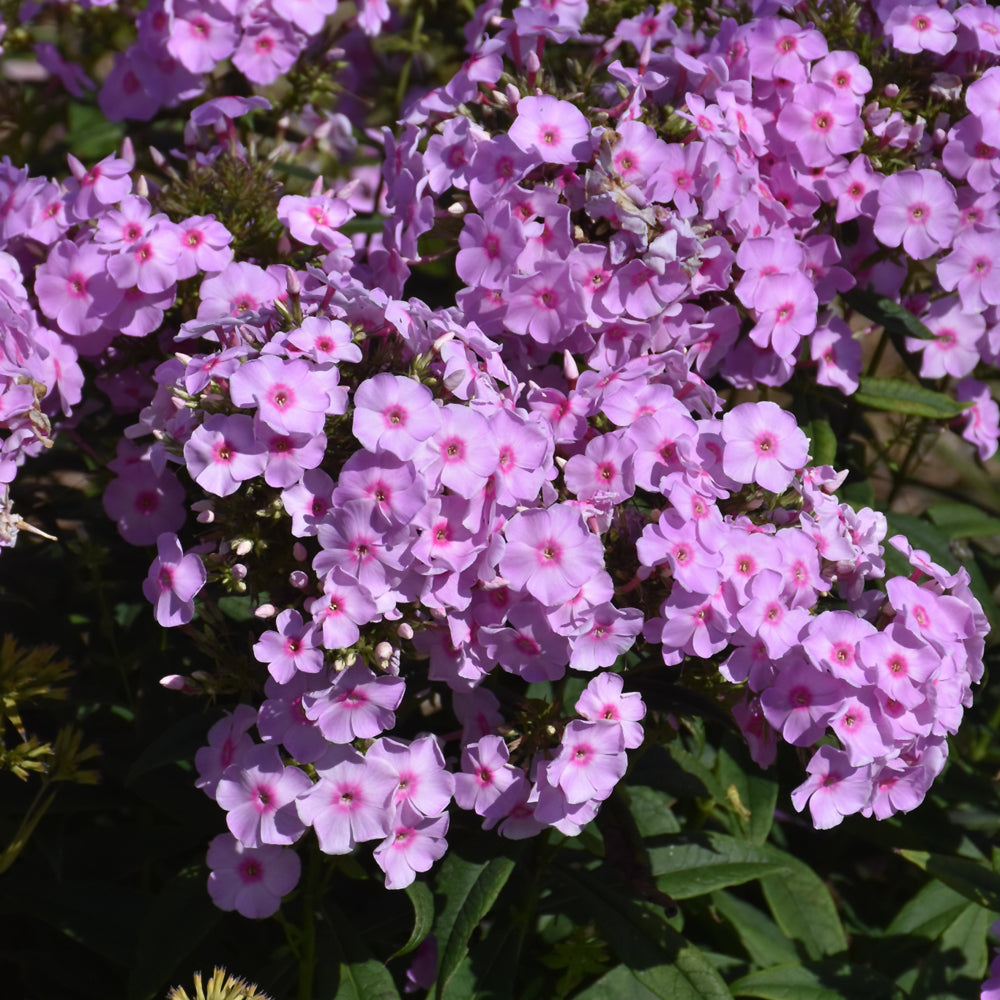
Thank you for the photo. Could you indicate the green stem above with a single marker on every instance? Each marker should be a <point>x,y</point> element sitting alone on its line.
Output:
<point>307,944</point>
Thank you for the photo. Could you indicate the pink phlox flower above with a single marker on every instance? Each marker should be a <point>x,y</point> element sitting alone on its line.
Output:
<point>413,844</point>
<point>544,305</point>
<point>424,785</point>
<point>674,540</point>
<point>550,553</point>
<point>787,313</point>
<point>763,445</point>
<point>173,581</point>
<point>200,34</point>
<point>780,49</point>
<point>917,208</point>
<point>204,246</point>
<point>801,701</point>
<point>229,741</point>
<point>394,413</point>
<point>308,502</point>
<point>527,645</point>
<point>224,452</point>
<point>123,227</point>
<point>604,470</point>
<point>821,124</point>
<point>768,615</point>
<point>524,450</point>
<point>859,726</point>
<point>355,540</point>
<point>610,633</point>
<point>445,545</point>
<point>316,219</point>
<point>325,340</point>
<point>590,762</point>
<point>983,25</point>
<point>856,189</point>
<point>88,192</point>
<point>971,268</point>
<point>309,15</point>
<point>148,263</point>
<point>462,454</point>
<point>843,71</point>
<point>290,648</point>
<point>290,396</point>
<point>604,699</point>
<point>489,246</point>
<point>486,773</point>
<point>744,555</point>
<point>922,26</point>
<point>831,642</point>
<point>359,705</point>
<point>982,418</point>
<point>250,880</point>
<point>967,157</point>
<point>691,623</point>
<point>290,455</point>
<point>282,719</point>
<point>953,351</point>
<point>74,288</point>
<point>555,131</point>
<point>267,49</point>
<point>935,618</point>
<point>390,484</point>
<point>834,788</point>
<point>144,504</point>
<point>341,609</point>
<point>898,664</point>
<point>240,289</point>
<point>350,803</point>
<point>258,795</point>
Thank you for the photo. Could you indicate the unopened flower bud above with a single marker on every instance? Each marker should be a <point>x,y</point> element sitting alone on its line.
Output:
<point>239,571</point>
<point>299,552</point>
<point>404,630</point>
<point>177,682</point>
<point>265,611</point>
<point>891,90</point>
<point>383,652</point>
<point>299,579</point>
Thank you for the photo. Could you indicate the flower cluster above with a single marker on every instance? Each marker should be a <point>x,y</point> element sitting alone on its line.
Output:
<point>457,510</point>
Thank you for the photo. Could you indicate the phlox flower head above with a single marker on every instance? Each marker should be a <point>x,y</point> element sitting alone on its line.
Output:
<point>763,445</point>
<point>414,843</point>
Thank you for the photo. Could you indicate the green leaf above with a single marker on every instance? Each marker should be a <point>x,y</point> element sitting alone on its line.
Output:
<point>907,398</point>
<point>362,976</point>
<point>760,936</point>
<point>179,742</point>
<point>651,810</point>
<point>816,981</point>
<point>955,966</point>
<point>694,866</point>
<point>470,889</point>
<point>929,912</point>
<point>974,880</point>
<point>822,442</point>
<point>423,917</point>
<point>802,906</point>
<point>887,313</point>
<point>180,918</point>
<point>618,984</point>
<point>963,520</point>
<point>660,958</point>
<point>757,792</point>
<point>238,607</point>
<point>691,765</point>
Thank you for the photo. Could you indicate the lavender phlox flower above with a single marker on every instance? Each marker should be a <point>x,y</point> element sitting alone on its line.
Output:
<point>282,718</point>
<point>358,705</point>
<point>290,648</point>
<point>259,794</point>
<point>228,743</point>
<point>425,785</point>
<point>590,762</point>
<point>763,445</point>
<point>341,609</point>
<point>173,581</point>
<point>604,699</point>
<point>834,788</point>
<point>250,880</point>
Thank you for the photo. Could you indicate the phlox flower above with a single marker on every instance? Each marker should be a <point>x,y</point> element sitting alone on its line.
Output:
<point>550,553</point>
<point>425,785</point>
<point>394,413</point>
<point>340,609</point>
<point>917,208</point>
<point>290,396</point>
<point>174,580</point>
<point>359,705</point>
<point>228,743</point>
<point>250,880</point>
<point>74,288</point>
<point>290,648</point>
<point>982,418</point>
<point>414,843</point>
<point>590,762</point>
<point>918,27</point>
<point>486,773</point>
<point>821,124</point>
<point>555,131</point>
<point>350,803</point>
<point>763,445</point>
<point>604,698</point>
<point>267,49</point>
<point>801,701</point>
<point>258,794</point>
<point>611,632</point>
<point>203,246</point>
<point>834,789</point>
<point>224,452</point>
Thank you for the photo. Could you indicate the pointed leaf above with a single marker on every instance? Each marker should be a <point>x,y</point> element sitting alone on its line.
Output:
<point>423,917</point>
<point>617,984</point>
<point>963,520</point>
<point>929,912</point>
<point>907,398</point>
<point>694,866</point>
<point>362,976</point>
<point>470,888</point>
<point>973,879</point>
<point>802,906</point>
<point>816,981</point>
<point>757,792</point>
<point>822,442</point>
<point>760,936</point>
<point>887,313</point>
<point>660,958</point>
